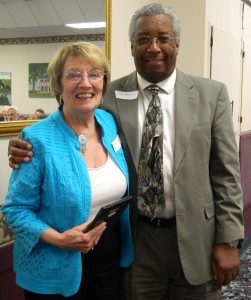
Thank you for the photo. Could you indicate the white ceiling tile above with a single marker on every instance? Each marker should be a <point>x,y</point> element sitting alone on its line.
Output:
<point>5,18</point>
<point>93,10</point>
<point>34,18</point>
<point>68,11</point>
<point>22,14</point>
<point>12,1</point>
<point>44,13</point>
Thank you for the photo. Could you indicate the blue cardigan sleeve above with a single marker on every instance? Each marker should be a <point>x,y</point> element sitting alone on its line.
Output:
<point>23,201</point>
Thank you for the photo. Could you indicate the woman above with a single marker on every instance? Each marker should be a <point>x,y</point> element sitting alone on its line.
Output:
<point>78,166</point>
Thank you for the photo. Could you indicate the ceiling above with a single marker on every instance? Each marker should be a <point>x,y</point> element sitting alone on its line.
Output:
<point>43,18</point>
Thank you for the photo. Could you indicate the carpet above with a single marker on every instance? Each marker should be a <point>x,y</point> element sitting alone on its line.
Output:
<point>240,288</point>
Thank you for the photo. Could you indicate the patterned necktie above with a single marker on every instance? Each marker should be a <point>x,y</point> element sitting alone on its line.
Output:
<point>150,177</point>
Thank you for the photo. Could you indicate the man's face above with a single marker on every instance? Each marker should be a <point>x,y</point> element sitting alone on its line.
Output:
<point>156,60</point>
<point>4,112</point>
<point>37,114</point>
<point>12,115</point>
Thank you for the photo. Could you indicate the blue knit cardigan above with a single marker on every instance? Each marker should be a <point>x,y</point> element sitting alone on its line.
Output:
<point>53,190</point>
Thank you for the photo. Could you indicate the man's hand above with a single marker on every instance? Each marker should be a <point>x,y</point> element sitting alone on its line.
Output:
<point>225,264</point>
<point>18,151</point>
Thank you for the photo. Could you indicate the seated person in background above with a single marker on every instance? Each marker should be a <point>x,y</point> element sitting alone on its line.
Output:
<point>42,116</point>
<point>12,113</point>
<point>78,166</point>
<point>4,112</point>
<point>37,113</point>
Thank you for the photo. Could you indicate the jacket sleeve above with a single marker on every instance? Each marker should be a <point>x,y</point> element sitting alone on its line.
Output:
<point>225,174</point>
<point>22,202</point>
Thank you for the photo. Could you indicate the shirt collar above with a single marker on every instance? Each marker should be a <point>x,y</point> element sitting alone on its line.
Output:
<point>166,85</point>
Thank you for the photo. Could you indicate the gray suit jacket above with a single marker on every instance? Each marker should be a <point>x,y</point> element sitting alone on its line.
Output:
<point>207,189</point>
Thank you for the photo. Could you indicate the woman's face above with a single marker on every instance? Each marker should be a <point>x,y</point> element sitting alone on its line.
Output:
<point>82,85</point>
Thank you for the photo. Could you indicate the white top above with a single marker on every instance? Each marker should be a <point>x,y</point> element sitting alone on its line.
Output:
<point>167,96</point>
<point>108,184</point>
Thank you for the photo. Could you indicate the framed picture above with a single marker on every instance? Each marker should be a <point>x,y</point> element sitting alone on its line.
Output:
<point>39,86</point>
<point>5,88</point>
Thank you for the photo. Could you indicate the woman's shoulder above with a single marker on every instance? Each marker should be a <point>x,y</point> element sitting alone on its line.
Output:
<point>40,129</point>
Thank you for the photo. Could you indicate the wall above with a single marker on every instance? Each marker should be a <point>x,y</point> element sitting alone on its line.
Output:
<point>231,55</point>
<point>246,71</point>
<point>245,165</point>
<point>225,31</point>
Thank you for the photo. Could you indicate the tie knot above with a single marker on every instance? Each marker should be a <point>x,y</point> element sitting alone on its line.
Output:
<point>153,89</point>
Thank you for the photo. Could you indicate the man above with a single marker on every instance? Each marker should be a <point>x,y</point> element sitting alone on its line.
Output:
<point>4,112</point>
<point>12,113</point>
<point>188,248</point>
<point>38,113</point>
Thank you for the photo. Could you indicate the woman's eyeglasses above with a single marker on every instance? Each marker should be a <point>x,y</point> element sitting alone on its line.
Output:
<point>93,76</point>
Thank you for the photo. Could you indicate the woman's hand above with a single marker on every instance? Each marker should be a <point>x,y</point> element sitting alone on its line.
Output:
<point>18,151</point>
<point>74,238</point>
<point>83,242</point>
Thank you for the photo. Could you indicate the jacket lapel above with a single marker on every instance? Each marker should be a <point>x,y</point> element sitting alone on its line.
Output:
<point>185,107</point>
<point>128,114</point>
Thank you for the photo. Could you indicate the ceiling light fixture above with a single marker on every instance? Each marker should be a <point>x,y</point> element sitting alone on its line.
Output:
<point>87,25</point>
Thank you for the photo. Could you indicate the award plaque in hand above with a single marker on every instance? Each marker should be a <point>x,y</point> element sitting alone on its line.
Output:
<point>109,213</point>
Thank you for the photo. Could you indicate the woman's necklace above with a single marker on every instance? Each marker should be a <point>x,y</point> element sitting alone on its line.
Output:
<point>81,137</point>
<point>82,141</point>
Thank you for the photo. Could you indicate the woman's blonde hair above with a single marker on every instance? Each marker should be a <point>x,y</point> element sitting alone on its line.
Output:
<point>88,51</point>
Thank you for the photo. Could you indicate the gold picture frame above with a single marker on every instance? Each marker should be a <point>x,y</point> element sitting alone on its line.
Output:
<point>14,128</point>
<point>108,17</point>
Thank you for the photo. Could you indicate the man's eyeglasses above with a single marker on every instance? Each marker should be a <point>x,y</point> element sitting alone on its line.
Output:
<point>93,76</point>
<point>162,40</point>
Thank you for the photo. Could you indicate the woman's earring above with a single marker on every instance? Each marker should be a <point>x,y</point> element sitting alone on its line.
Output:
<point>101,101</point>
